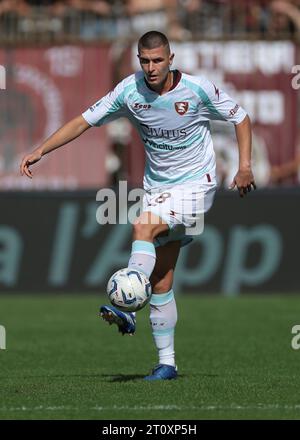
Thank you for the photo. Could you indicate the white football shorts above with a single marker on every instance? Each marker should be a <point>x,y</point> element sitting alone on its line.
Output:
<point>182,207</point>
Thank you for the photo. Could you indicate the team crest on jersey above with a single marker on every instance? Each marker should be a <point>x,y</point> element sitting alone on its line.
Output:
<point>181,107</point>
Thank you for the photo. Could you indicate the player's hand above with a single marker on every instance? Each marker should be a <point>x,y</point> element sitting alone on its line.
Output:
<point>243,181</point>
<point>27,161</point>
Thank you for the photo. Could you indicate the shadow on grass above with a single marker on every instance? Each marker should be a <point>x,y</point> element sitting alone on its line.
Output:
<point>105,377</point>
<point>123,377</point>
<point>111,377</point>
<point>129,377</point>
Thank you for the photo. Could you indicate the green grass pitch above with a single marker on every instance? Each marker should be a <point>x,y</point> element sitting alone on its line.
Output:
<point>234,357</point>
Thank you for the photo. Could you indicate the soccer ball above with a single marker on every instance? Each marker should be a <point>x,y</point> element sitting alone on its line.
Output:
<point>129,290</point>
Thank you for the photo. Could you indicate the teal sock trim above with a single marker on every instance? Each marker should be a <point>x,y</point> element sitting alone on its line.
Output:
<point>165,332</point>
<point>144,247</point>
<point>160,299</point>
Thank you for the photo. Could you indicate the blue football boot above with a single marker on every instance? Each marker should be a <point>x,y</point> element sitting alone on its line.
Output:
<point>124,321</point>
<point>162,372</point>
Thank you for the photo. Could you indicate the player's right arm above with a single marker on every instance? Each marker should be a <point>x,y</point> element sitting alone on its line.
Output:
<point>108,108</point>
<point>62,136</point>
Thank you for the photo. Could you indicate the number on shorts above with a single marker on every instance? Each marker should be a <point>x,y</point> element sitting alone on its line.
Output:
<point>161,198</point>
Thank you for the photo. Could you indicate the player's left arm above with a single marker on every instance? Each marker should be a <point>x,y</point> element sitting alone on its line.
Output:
<point>244,179</point>
<point>220,106</point>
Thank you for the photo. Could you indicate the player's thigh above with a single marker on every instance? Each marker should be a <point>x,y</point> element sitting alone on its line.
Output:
<point>166,259</point>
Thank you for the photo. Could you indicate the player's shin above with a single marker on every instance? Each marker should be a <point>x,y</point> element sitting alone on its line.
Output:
<point>163,318</point>
<point>143,257</point>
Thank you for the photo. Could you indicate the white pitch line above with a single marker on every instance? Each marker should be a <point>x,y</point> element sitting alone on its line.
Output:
<point>259,406</point>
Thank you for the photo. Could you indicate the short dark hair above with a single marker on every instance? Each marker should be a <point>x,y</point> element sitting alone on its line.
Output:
<point>152,40</point>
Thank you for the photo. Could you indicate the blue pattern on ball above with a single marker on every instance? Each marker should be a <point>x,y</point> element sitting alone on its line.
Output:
<point>126,300</point>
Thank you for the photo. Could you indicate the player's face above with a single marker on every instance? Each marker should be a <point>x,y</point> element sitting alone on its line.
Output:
<point>156,64</point>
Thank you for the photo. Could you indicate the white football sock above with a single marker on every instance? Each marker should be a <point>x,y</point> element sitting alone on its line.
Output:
<point>163,318</point>
<point>143,257</point>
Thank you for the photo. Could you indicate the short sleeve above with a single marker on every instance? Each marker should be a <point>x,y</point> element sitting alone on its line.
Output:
<point>218,105</point>
<point>106,109</point>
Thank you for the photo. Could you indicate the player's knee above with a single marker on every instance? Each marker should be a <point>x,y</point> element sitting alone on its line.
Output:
<point>148,226</point>
<point>142,232</point>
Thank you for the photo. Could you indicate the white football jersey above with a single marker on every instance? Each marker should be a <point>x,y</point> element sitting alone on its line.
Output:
<point>174,126</point>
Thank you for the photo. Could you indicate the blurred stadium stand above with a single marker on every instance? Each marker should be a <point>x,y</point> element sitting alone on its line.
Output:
<point>51,48</point>
<point>58,21</point>
<point>61,56</point>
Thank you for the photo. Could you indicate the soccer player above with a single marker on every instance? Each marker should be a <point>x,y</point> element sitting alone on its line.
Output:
<point>171,111</point>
